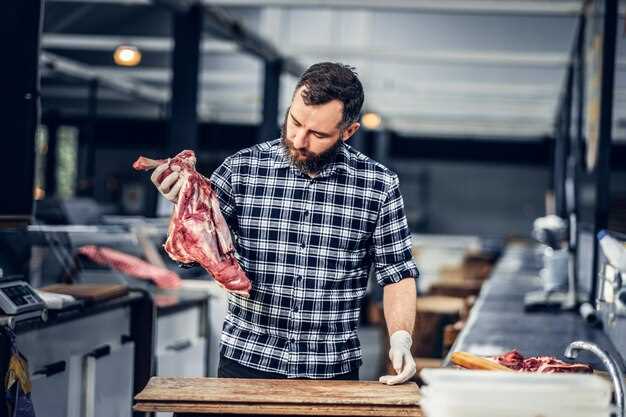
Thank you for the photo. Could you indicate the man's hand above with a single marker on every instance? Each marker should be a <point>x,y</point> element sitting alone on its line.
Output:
<point>401,358</point>
<point>170,186</point>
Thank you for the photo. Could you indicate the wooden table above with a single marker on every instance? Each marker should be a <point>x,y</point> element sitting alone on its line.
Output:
<point>245,397</point>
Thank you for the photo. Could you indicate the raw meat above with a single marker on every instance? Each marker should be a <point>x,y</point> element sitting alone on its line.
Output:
<point>197,230</point>
<point>513,360</point>
<point>131,265</point>
<point>539,364</point>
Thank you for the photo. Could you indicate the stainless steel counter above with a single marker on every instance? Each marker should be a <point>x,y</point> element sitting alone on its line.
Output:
<point>498,322</point>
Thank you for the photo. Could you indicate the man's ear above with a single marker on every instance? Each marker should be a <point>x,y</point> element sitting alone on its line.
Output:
<point>351,130</point>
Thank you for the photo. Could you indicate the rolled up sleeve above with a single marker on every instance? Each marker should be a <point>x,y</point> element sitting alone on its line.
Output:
<point>392,240</point>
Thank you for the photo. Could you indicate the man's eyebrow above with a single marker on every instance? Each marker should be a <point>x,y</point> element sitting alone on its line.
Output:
<point>314,131</point>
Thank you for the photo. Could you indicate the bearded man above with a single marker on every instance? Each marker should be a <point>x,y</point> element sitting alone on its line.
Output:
<point>311,216</point>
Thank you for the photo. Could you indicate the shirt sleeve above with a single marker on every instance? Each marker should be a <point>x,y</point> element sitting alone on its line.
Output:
<point>392,240</point>
<point>222,184</point>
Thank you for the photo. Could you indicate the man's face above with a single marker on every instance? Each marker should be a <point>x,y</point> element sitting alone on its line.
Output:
<point>311,134</point>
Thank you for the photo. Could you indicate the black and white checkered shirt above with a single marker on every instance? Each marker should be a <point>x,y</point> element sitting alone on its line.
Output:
<point>307,245</point>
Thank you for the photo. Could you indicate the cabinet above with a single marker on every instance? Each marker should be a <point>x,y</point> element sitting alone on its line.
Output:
<point>83,367</point>
<point>50,389</point>
<point>185,359</point>
<point>108,377</point>
<point>181,344</point>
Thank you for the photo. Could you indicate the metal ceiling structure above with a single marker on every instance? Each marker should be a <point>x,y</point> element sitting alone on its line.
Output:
<point>471,68</point>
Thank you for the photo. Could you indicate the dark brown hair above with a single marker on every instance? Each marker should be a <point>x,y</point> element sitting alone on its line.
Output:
<point>328,81</point>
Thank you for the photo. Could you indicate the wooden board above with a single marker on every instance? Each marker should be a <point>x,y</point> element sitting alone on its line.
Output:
<point>469,361</point>
<point>280,409</point>
<point>278,391</point>
<point>90,292</point>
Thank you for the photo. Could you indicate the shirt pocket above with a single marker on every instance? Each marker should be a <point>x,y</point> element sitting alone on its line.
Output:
<point>352,240</point>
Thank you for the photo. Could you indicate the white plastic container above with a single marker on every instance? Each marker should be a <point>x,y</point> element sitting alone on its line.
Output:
<point>447,409</point>
<point>452,393</point>
<point>613,249</point>
<point>554,274</point>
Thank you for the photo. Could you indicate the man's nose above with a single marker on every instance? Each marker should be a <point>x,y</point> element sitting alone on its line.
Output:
<point>299,140</point>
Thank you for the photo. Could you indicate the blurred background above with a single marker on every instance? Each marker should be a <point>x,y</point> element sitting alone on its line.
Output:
<point>466,93</point>
<point>505,121</point>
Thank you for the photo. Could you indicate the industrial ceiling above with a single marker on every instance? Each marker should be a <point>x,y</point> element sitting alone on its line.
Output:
<point>440,68</point>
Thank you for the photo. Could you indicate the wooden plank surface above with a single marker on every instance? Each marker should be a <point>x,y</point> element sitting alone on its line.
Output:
<point>285,391</point>
<point>89,292</point>
<point>280,409</point>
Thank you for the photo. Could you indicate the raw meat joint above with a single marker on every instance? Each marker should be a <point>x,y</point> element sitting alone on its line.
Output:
<point>131,265</point>
<point>539,364</point>
<point>197,230</point>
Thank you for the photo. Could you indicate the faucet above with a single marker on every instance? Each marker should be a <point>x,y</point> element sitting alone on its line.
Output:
<point>613,365</point>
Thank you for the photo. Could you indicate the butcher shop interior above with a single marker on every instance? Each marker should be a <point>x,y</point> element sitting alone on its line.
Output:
<point>308,207</point>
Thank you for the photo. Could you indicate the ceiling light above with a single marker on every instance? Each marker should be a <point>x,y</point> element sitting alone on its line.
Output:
<point>127,55</point>
<point>371,120</point>
<point>39,193</point>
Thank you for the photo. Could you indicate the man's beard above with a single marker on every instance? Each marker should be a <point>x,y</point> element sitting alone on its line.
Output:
<point>314,163</point>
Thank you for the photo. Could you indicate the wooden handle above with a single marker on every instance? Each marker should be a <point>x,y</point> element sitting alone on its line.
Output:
<point>469,361</point>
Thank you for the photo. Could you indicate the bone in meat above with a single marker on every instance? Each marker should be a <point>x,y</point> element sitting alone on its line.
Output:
<point>197,230</point>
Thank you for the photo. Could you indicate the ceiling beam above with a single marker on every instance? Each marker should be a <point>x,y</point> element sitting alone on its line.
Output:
<point>512,7</point>
<point>247,103</point>
<point>459,57</point>
<point>392,104</point>
<point>463,57</point>
<point>144,43</point>
<point>377,91</point>
<point>70,18</point>
<point>164,76</point>
<point>482,7</point>
<point>388,84</point>
<point>530,128</point>
<point>76,70</point>
<point>219,22</point>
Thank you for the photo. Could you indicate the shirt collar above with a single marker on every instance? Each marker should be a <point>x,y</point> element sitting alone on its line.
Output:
<point>341,162</point>
<point>280,159</point>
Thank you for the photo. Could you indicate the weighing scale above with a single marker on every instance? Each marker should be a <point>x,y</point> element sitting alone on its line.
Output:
<point>18,301</point>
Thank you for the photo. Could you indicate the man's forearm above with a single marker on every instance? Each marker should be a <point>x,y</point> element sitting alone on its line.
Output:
<point>400,303</point>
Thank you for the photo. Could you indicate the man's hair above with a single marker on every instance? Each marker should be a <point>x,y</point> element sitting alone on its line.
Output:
<point>328,81</point>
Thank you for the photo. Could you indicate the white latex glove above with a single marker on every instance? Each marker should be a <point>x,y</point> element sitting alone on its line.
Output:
<point>401,358</point>
<point>171,185</point>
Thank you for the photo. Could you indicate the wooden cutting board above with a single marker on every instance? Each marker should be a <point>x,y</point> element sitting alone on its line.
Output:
<point>89,292</point>
<point>278,397</point>
<point>470,361</point>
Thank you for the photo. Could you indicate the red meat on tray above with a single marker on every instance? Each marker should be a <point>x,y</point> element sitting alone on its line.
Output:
<point>540,364</point>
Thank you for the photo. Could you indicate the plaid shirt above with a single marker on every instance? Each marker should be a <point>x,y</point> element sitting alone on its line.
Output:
<point>307,245</point>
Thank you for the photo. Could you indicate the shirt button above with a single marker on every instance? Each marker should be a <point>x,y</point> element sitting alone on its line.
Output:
<point>295,309</point>
<point>292,341</point>
<point>302,245</point>
<point>306,213</point>
<point>299,277</point>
